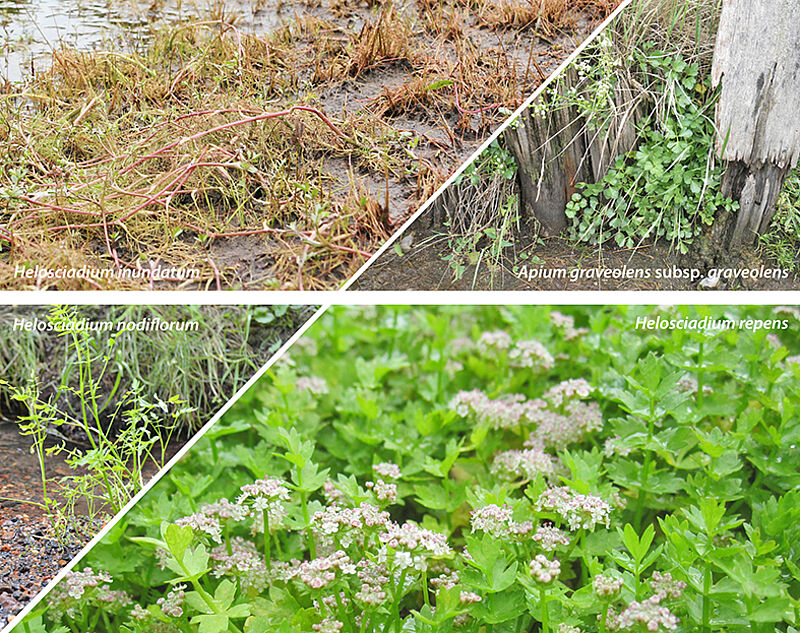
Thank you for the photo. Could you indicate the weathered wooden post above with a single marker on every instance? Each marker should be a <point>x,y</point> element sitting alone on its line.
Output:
<point>548,149</point>
<point>757,65</point>
<point>561,147</point>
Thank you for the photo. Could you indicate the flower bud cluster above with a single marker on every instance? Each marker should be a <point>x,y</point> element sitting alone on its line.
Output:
<point>172,603</point>
<point>544,570</point>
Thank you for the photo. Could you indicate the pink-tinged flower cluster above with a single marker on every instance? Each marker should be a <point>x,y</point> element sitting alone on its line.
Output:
<point>331,602</point>
<point>560,417</point>
<point>80,586</point>
<point>774,340</point>
<point>244,562</point>
<point>788,310</point>
<point>566,324</point>
<point>665,586</point>
<point>76,582</point>
<point>328,625</point>
<point>793,360</point>
<point>321,571</point>
<point>447,580</point>
<point>544,570</point>
<point>202,522</point>
<point>373,577</point>
<point>387,470</point>
<point>493,519</point>
<point>647,613</point>
<point>385,493</point>
<point>452,367</point>
<point>606,587</point>
<point>530,354</point>
<point>522,464</point>
<point>559,430</point>
<point>550,537</point>
<point>313,384</point>
<point>172,603</point>
<point>578,511</point>
<point>331,492</point>
<point>506,412</point>
<point>269,488</point>
<point>345,526</point>
<point>469,597</point>
<point>412,538</point>
<point>460,345</point>
<point>527,354</point>
<point>566,390</point>
<point>493,343</point>
<point>225,510</point>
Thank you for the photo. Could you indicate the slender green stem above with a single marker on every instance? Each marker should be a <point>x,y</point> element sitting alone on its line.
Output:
<point>267,539</point>
<point>214,450</point>
<point>312,546</point>
<point>604,619</point>
<point>545,612</point>
<point>575,539</point>
<point>425,595</point>
<point>700,376</point>
<point>648,458</point>
<point>706,600</point>
<point>397,596</point>
<point>106,621</point>
<point>226,531</point>
<point>584,564</point>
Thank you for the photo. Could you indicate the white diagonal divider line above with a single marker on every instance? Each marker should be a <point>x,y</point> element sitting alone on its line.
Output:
<point>525,104</point>
<point>17,619</point>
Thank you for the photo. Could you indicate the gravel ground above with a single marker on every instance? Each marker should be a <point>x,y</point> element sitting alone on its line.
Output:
<point>30,555</point>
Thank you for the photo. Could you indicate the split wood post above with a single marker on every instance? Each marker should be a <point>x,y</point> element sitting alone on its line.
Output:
<point>560,148</point>
<point>757,65</point>
<point>549,151</point>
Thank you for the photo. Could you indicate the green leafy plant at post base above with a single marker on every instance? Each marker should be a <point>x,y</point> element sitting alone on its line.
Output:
<point>782,241</point>
<point>669,185</point>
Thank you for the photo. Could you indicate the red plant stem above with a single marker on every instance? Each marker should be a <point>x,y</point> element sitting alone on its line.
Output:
<point>230,124</point>
<point>55,207</point>
<point>219,287</point>
<point>479,110</point>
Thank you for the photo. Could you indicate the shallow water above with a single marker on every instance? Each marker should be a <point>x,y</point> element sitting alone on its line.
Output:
<point>31,29</point>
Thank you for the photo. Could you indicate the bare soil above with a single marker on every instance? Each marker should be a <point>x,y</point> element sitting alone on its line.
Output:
<point>554,263</point>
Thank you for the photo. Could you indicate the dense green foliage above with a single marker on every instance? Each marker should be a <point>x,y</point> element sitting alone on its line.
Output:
<point>668,186</point>
<point>540,471</point>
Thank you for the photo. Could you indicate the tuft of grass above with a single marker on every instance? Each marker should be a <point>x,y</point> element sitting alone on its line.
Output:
<point>204,367</point>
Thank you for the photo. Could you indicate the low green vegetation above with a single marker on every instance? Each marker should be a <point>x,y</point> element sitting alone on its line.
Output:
<point>482,470</point>
<point>782,241</point>
<point>114,404</point>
